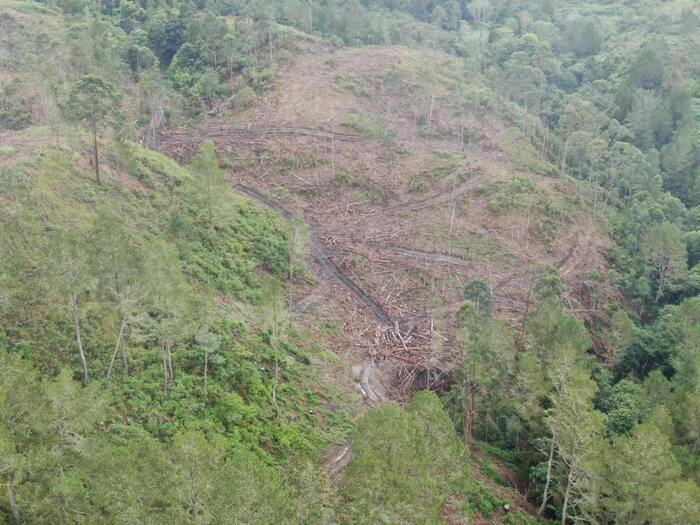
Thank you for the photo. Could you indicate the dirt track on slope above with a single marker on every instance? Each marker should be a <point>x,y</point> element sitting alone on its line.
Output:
<point>323,257</point>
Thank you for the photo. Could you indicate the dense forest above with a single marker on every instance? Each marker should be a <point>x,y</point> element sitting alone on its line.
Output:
<point>349,261</point>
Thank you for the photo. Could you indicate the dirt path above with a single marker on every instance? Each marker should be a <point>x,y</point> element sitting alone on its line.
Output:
<point>21,145</point>
<point>366,375</point>
<point>370,382</point>
<point>323,257</point>
<point>338,458</point>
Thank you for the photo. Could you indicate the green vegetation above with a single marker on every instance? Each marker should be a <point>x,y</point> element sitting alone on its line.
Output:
<point>365,125</point>
<point>149,371</point>
<point>142,275</point>
<point>405,464</point>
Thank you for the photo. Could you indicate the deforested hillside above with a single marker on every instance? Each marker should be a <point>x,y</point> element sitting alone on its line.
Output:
<point>349,262</point>
<point>410,192</point>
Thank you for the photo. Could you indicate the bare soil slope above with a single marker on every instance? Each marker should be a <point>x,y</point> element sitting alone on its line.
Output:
<point>407,197</point>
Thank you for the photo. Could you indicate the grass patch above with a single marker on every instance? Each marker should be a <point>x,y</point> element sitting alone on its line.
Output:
<point>492,472</point>
<point>354,84</point>
<point>480,499</point>
<point>365,124</point>
<point>6,151</point>
<point>240,258</point>
<point>523,194</point>
<point>311,161</point>
<point>506,456</point>
<point>443,168</point>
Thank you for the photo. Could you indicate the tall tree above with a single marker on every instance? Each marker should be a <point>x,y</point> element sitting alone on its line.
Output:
<point>639,464</point>
<point>209,182</point>
<point>117,265</point>
<point>167,300</point>
<point>487,359</point>
<point>667,253</point>
<point>91,101</point>
<point>574,426</point>
<point>68,275</point>
<point>207,338</point>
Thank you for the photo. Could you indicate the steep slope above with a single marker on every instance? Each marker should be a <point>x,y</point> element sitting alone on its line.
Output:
<point>398,161</point>
<point>464,207</point>
<point>150,207</point>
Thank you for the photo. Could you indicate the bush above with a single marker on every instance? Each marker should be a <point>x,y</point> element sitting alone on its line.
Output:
<point>245,98</point>
<point>15,111</point>
<point>404,464</point>
<point>6,151</point>
<point>364,124</point>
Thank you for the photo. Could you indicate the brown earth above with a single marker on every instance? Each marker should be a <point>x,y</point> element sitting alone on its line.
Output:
<point>396,231</point>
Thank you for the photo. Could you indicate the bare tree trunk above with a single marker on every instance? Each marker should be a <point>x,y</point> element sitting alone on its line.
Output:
<point>94,147</point>
<point>566,498</point>
<point>116,349</point>
<point>471,416</point>
<point>545,135</point>
<point>166,375</point>
<point>663,268</point>
<point>125,362</point>
<point>415,128</point>
<point>11,500</point>
<point>210,212</point>
<point>332,154</point>
<point>563,159</point>
<point>545,494</point>
<point>292,258</point>
<point>430,113</point>
<point>276,379</point>
<point>76,325</point>
<point>169,360</point>
<point>467,412</point>
<point>276,347</point>
<point>269,39</point>
<point>310,15</point>
<point>520,339</point>
<point>206,369</point>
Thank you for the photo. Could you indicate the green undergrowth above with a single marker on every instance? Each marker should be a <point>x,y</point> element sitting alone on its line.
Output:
<point>523,193</point>
<point>365,124</point>
<point>443,169</point>
<point>481,501</point>
<point>266,391</point>
<point>6,151</point>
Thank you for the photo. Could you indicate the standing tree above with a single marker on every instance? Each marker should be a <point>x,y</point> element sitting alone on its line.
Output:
<point>209,182</point>
<point>154,97</point>
<point>296,247</point>
<point>91,101</point>
<point>487,356</point>
<point>576,428</point>
<point>517,146</point>
<point>168,297</point>
<point>667,253</point>
<point>68,275</point>
<point>206,337</point>
<point>640,463</point>
<point>390,152</point>
<point>275,325</point>
<point>117,264</point>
